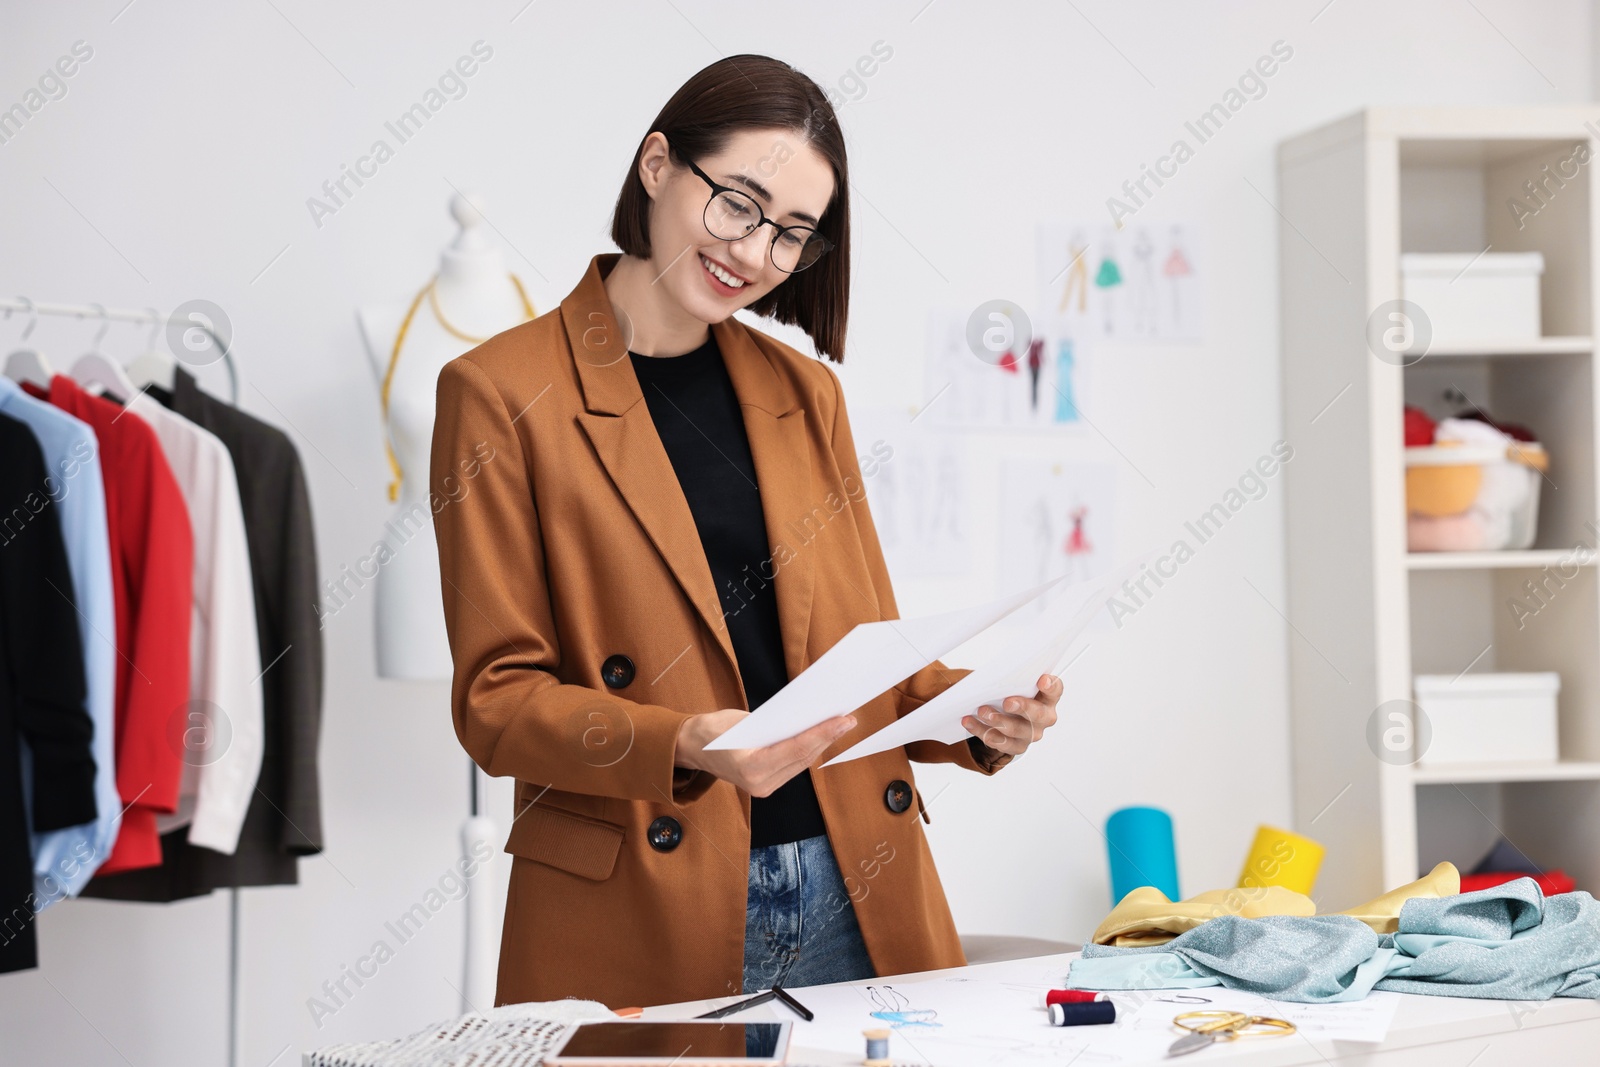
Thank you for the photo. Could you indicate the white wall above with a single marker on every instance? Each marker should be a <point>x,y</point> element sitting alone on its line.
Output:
<point>179,164</point>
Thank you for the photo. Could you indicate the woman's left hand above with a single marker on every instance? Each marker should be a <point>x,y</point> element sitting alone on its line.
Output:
<point>1022,722</point>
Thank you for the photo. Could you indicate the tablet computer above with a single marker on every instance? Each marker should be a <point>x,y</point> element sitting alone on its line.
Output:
<point>646,1042</point>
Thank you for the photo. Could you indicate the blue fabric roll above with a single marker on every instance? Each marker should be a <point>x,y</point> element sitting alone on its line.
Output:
<point>1140,846</point>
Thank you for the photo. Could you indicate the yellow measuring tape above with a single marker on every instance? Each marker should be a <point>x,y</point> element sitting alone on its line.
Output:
<point>394,358</point>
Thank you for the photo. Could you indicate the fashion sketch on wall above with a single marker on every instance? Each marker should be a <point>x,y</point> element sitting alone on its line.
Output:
<point>1060,523</point>
<point>1034,376</point>
<point>918,490</point>
<point>1141,283</point>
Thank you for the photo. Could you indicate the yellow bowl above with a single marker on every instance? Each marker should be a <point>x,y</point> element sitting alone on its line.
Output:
<point>1438,492</point>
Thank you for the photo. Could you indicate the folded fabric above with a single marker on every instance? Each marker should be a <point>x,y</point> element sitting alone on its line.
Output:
<point>1509,942</point>
<point>1506,943</point>
<point>1145,917</point>
<point>1445,533</point>
<point>1382,913</point>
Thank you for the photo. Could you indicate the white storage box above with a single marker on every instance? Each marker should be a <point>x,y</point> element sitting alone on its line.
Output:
<point>1489,718</point>
<point>1471,300</point>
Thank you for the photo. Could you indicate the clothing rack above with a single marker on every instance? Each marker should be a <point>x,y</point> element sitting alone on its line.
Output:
<point>155,319</point>
<point>108,315</point>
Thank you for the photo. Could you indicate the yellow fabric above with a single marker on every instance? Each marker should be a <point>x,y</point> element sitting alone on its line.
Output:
<point>1383,913</point>
<point>1146,917</point>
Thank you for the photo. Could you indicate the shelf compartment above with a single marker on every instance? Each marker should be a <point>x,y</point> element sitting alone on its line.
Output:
<point>1549,821</point>
<point>1555,398</point>
<point>1476,196</point>
<point>1485,620</point>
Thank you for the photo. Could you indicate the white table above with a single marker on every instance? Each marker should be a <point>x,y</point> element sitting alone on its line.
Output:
<point>1427,1032</point>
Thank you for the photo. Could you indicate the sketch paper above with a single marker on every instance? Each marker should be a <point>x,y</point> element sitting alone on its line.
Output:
<point>918,491</point>
<point>869,659</point>
<point>1039,381</point>
<point>1047,647</point>
<point>954,1021</point>
<point>1061,522</point>
<point>993,1015</point>
<point>1367,1019</point>
<point>1135,285</point>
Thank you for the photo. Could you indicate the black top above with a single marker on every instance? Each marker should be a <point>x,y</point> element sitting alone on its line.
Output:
<point>697,416</point>
<point>42,687</point>
<point>284,820</point>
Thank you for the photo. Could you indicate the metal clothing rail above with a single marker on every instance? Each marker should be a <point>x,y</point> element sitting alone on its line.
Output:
<point>156,319</point>
<point>108,315</point>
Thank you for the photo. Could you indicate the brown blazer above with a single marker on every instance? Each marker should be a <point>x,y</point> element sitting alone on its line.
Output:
<point>584,626</point>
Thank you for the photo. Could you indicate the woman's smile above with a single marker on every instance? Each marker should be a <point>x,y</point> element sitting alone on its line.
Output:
<point>723,281</point>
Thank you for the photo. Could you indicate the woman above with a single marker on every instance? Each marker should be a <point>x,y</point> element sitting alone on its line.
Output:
<point>655,518</point>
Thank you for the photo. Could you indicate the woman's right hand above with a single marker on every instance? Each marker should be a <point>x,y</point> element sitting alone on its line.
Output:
<point>758,771</point>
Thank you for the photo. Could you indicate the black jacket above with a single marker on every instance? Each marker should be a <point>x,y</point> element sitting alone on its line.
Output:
<point>42,688</point>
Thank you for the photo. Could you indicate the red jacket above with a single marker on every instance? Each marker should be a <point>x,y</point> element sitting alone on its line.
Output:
<point>152,576</point>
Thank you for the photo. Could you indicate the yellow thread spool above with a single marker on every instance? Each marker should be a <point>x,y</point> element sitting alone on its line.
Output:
<point>1281,858</point>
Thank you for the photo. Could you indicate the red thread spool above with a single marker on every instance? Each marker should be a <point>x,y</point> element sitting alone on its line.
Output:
<point>1072,996</point>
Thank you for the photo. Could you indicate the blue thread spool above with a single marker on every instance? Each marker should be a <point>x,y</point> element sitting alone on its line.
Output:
<point>1140,847</point>
<point>1083,1014</point>
<point>877,1048</point>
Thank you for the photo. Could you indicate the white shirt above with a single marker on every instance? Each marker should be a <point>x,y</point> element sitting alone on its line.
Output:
<point>223,727</point>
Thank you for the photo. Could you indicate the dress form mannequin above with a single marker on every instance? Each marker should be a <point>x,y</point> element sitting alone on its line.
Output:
<point>475,294</point>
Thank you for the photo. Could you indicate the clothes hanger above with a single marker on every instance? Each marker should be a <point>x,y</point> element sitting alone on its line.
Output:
<point>26,364</point>
<point>153,366</point>
<point>93,368</point>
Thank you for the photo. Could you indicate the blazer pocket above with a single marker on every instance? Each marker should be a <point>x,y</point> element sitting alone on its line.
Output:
<point>585,847</point>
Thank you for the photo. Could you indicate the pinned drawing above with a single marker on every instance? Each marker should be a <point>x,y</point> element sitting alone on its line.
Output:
<point>916,482</point>
<point>1037,379</point>
<point>1106,279</point>
<point>894,1008</point>
<point>1142,288</point>
<point>1077,284</point>
<point>1178,273</point>
<point>1066,406</point>
<point>1055,522</point>
<point>1142,284</point>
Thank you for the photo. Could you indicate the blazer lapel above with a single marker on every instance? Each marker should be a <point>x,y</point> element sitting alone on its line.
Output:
<point>619,426</point>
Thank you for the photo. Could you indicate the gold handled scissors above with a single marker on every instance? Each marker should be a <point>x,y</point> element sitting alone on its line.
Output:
<point>1206,1027</point>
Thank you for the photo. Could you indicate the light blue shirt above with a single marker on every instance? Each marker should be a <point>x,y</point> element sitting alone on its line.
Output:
<point>64,860</point>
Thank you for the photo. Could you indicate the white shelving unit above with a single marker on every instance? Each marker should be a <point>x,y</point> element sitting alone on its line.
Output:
<point>1368,615</point>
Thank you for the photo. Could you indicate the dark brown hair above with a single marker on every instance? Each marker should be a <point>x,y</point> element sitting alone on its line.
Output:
<point>750,92</point>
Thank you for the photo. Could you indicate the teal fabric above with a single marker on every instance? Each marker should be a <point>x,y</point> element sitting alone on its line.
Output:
<point>1509,942</point>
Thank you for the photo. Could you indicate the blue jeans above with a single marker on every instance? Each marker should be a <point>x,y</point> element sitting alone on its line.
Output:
<point>800,927</point>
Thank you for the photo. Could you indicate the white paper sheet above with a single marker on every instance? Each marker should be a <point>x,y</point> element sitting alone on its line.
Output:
<point>964,1022</point>
<point>1046,648</point>
<point>1364,1020</point>
<point>994,1015</point>
<point>869,659</point>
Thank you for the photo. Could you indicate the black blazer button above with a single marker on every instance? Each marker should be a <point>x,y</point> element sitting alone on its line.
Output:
<point>897,796</point>
<point>617,671</point>
<point>664,834</point>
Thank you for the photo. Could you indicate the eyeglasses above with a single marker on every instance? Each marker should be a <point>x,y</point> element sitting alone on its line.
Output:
<point>731,215</point>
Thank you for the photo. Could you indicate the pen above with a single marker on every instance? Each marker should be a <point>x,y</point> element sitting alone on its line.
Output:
<point>800,1009</point>
<point>738,1005</point>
